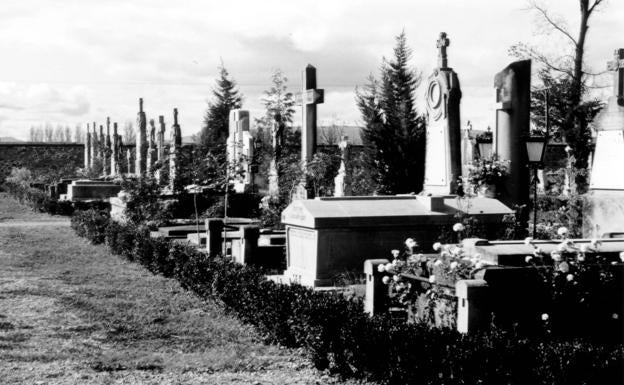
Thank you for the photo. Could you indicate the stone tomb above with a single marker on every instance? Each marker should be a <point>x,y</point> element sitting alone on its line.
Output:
<point>329,236</point>
<point>91,190</point>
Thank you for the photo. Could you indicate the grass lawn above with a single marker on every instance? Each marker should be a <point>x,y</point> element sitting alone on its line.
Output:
<point>71,313</point>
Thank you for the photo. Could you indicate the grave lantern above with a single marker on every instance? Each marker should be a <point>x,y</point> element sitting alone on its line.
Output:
<point>536,149</point>
<point>484,143</point>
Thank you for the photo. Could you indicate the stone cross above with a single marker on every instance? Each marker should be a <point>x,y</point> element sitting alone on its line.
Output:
<point>342,181</point>
<point>442,43</point>
<point>309,99</point>
<point>87,153</point>
<point>174,149</point>
<point>617,66</point>
<point>160,148</point>
<point>141,141</point>
<point>151,147</point>
<point>114,166</point>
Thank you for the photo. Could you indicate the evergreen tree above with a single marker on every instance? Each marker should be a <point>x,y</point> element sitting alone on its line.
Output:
<point>394,133</point>
<point>226,97</point>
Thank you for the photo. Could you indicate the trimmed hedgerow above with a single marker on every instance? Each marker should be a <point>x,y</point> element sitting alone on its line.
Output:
<point>337,334</point>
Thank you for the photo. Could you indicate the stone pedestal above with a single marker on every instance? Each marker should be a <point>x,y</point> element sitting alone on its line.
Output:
<point>240,150</point>
<point>141,142</point>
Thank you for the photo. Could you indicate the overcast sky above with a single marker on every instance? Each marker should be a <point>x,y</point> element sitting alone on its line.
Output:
<point>72,62</point>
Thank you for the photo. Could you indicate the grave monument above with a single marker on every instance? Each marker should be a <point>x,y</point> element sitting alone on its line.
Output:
<point>513,97</point>
<point>160,148</point>
<point>443,168</point>
<point>174,151</point>
<point>114,159</point>
<point>141,142</point>
<point>94,148</point>
<point>606,187</point>
<point>151,148</point>
<point>342,181</point>
<point>240,149</point>
<point>87,153</point>
<point>310,97</point>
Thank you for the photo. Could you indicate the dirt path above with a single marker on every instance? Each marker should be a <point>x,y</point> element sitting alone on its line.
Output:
<point>70,313</point>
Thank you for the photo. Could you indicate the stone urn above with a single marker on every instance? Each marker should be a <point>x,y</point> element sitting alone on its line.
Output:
<point>487,191</point>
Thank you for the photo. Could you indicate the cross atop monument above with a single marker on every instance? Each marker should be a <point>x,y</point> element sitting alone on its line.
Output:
<point>617,66</point>
<point>442,43</point>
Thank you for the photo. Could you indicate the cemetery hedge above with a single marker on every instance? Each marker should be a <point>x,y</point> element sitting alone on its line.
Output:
<point>338,336</point>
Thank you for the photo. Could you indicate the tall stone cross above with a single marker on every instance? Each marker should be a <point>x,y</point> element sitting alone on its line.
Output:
<point>617,66</point>
<point>107,150</point>
<point>151,147</point>
<point>160,148</point>
<point>442,43</point>
<point>141,141</point>
<point>310,97</point>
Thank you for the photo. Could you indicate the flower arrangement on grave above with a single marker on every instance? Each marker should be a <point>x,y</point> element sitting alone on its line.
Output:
<point>425,284</point>
<point>487,171</point>
<point>577,279</point>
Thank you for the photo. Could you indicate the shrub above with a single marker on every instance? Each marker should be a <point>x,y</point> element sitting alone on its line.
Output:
<point>337,335</point>
<point>91,224</point>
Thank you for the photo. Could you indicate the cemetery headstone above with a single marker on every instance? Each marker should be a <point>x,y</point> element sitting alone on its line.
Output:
<point>174,150</point>
<point>151,148</point>
<point>160,147</point>
<point>309,98</point>
<point>87,153</point>
<point>107,150</point>
<point>141,139</point>
<point>277,137</point>
<point>240,149</point>
<point>513,97</point>
<point>607,176</point>
<point>94,146</point>
<point>114,158</point>
<point>443,165</point>
<point>102,148</point>
<point>342,181</point>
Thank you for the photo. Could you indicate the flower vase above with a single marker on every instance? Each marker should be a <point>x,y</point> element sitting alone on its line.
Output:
<point>487,191</point>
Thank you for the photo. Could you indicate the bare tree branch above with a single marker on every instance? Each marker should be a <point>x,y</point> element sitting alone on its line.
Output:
<point>554,24</point>
<point>596,3</point>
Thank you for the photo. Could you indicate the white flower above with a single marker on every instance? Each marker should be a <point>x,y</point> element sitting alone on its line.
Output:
<point>385,280</point>
<point>437,246</point>
<point>381,268</point>
<point>545,317</point>
<point>395,253</point>
<point>453,265</point>
<point>564,267</point>
<point>528,259</point>
<point>581,257</point>
<point>528,240</point>
<point>622,256</point>
<point>432,278</point>
<point>437,262</point>
<point>615,316</point>
<point>568,149</point>
<point>389,267</point>
<point>457,227</point>
<point>570,277</point>
<point>562,231</point>
<point>555,255</point>
<point>409,242</point>
<point>396,278</point>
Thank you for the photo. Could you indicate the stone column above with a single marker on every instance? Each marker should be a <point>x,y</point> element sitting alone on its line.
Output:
<point>513,95</point>
<point>376,300</point>
<point>102,145</point>
<point>214,236</point>
<point>107,150</point>
<point>129,161</point>
<point>443,166</point>
<point>94,147</point>
<point>174,149</point>
<point>277,142</point>
<point>141,142</point>
<point>160,148</point>
<point>240,149</point>
<point>87,153</point>
<point>342,182</point>
<point>114,157</point>
<point>151,148</point>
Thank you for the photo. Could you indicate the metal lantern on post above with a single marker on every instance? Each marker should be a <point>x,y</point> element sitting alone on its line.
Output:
<point>536,149</point>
